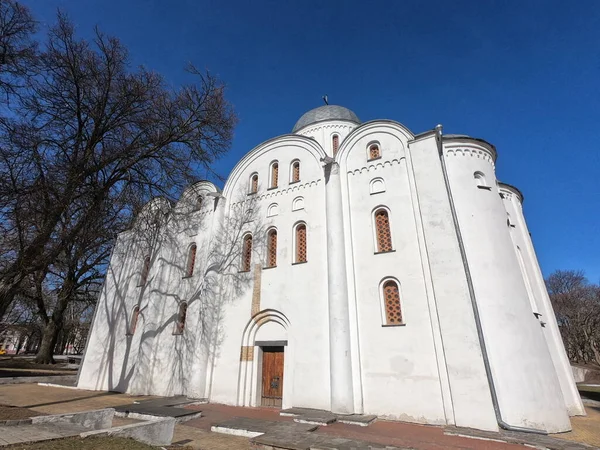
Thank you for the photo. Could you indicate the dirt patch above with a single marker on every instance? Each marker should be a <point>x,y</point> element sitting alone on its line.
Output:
<point>91,443</point>
<point>16,413</point>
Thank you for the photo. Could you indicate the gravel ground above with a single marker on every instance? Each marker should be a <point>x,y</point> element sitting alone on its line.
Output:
<point>91,443</point>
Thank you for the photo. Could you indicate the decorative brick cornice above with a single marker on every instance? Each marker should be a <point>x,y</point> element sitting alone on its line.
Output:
<point>325,126</point>
<point>476,152</point>
<point>279,192</point>
<point>376,166</point>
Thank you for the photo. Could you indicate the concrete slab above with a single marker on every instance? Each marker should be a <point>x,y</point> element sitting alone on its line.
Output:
<point>357,419</point>
<point>320,418</point>
<point>156,432</point>
<point>244,426</point>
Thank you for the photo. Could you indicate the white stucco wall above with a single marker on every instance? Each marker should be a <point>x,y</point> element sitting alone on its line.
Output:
<point>339,353</point>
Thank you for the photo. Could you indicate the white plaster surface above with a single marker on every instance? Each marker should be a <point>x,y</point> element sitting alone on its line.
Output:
<point>340,354</point>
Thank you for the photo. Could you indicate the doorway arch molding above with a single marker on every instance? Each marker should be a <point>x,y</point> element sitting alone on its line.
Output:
<point>249,377</point>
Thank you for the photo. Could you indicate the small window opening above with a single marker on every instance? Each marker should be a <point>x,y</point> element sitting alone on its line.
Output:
<point>335,143</point>
<point>374,151</point>
<point>295,171</point>
<point>391,298</point>
<point>254,184</point>
<point>382,230</point>
<point>191,261</point>
<point>181,316</point>
<point>274,174</point>
<point>301,243</point>
<point>247,253</point>
<point>272,248</point>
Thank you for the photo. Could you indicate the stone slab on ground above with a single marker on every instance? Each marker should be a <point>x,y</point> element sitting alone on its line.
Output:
<point>165,401</point>
<point>313,441</point>
<point>33,433</point>
<point>155,432</point>
<point>513,437</point>
<point>261,426</point>
<point>357,419</point>
<point>160,411</point>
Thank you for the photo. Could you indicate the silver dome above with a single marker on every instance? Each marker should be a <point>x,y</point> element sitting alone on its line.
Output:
<point>325,112</point>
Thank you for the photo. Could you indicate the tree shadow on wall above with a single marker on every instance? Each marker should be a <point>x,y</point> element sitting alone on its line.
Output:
<point>155,358</point>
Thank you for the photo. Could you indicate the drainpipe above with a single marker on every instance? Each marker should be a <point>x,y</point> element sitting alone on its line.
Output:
<point>463,255</point>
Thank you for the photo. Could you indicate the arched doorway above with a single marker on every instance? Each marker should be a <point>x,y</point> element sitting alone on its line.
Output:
<point>265,366</point>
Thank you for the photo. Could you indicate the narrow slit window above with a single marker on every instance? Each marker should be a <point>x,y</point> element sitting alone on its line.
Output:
<point>272,248</point>
<point>382,230</point>
<point>301,243</point>
<point>391,301</point>
<point>254,184</point>
<point>247,253</point>
<point>198,205</point>
<point>295,171</point>
<point>374,151</point>
<point>134,319</point>
<point>274,174</point>
<point>145,271</point>
<point>335,144</point>
<point>181,316</point>
<point>191,261</point>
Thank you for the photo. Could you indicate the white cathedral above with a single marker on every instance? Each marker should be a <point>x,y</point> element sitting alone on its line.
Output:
<point>352,267</point>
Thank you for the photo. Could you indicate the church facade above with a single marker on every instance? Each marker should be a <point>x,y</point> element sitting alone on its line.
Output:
<point>347,266</point>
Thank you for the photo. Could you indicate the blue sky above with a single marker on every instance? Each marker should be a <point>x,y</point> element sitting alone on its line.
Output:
<point>525,76</point>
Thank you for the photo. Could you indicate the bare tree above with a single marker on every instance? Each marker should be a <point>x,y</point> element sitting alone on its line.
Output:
<point>576,304</point>
<point>89,132</point>
<point>17,47</point>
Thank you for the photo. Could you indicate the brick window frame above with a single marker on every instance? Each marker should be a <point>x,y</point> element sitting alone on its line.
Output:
<point>274,175</point>
<point>246,253</point>
<point>271,248</point>
<point>253,185</point>
<point>181,317</point>
<point>382,230</point>
<point>191,261</point>
<point>300,243</point>
<point>335,144</point>
<point>391,302</point>
<point>295,171</point>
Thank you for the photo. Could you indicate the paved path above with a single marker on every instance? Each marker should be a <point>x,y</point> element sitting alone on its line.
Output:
<point>196,433</point>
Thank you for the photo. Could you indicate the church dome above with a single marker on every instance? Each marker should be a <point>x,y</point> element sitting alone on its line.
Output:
<point>325,112</point>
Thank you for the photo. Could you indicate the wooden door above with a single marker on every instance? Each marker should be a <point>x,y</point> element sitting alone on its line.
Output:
<point>272,376</point>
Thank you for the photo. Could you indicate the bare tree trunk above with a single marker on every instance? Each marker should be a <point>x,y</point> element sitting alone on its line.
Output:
<point>45,354</point>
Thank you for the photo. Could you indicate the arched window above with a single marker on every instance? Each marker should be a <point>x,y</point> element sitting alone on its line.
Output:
<point>374,151</point>
<point>480,180</point>
<point>391,303</point>
<point>145,271</point>
<point>254,183</point>
<point>181,316</point>
<point>191,260</point>
<point>335,144</point>
<point>300,243</point>
<point>382,231</point>
<point>274,174</point>
<point>272,248</point>
<point>134,319</point>
<point>198,205</point>
<point>247,253</point>
<point>295,172</point>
